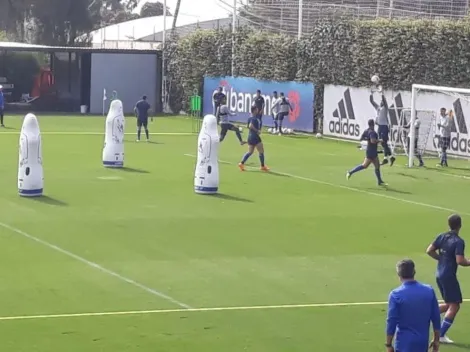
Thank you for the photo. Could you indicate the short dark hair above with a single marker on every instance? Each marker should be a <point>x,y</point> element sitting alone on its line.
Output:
<point>275,92</point>
<point>258,91</point>
<point>406,269</point>
<point>455,222</point>
<point>371,123</point>
<point>282,94</point>
<point>144,97</point>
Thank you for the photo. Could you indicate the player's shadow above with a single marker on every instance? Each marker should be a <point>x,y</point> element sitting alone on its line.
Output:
<point>274,173</point>
<point>49,201</point>
<point>412,176</point>
<point>153,142</point>
<point>461,346</point>
<point>389,189</point>
<point>133,170</point>
<point>229,197</point>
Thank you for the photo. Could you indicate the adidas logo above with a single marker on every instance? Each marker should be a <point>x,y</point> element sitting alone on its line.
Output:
<point>459,141</point>
<point>346,124</point>
<point>394,116</point>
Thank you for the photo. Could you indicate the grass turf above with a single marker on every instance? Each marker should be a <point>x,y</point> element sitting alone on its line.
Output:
<point>299,235</point>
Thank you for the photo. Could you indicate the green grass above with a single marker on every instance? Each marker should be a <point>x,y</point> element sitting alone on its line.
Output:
<point>299,235</point>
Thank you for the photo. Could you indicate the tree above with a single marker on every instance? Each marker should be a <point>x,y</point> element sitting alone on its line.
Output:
<point>151,9</point>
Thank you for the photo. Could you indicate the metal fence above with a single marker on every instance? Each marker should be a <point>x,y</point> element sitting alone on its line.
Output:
<point>294,16</point>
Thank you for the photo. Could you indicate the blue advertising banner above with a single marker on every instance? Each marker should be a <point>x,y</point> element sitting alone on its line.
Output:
<point>240,93</point>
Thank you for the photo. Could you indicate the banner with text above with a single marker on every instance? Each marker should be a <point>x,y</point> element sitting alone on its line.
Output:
<point>240,92</point>
<point>347,109</point>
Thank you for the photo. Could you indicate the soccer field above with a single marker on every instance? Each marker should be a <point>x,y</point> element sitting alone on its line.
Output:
<point>298,259</point>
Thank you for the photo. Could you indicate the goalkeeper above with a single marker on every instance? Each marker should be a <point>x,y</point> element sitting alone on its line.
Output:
<point>382,122</point>
<point>407,127</point>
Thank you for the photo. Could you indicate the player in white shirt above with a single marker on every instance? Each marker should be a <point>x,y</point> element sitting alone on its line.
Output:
<point>444,126</point>
<point>223,116</point>
<point>417,125</point>
<point>282,105</point>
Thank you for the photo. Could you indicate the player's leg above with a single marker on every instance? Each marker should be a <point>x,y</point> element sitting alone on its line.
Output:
<point>445,147</point>
<point>365,164</point>
<point>281,119</point>
<point>237,132</point>
<point>139,129</point>
<point>1,118</point>
<point>251,149</point>
<point>260,149</point>
<point>224,127</point>
<point>276,124</point>
<point>418,153</point>
<point>376,163</point>
<point>452,295</point>
<point>145,124</point>
<point>383,135</point>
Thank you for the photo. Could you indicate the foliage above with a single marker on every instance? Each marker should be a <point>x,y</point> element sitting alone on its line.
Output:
<point>21,69</point>
<point>153,9</point>
<point>338,51</point>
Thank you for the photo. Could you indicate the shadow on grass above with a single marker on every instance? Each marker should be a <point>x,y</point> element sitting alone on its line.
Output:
<point>49,201</point>
<point>229,197</point>
<point>132,170</point>
<point>460,346</point>
<point>388,190</point>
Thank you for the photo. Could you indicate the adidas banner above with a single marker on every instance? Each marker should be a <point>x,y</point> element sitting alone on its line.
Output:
<point>347,109</point>
<point>240,93</point>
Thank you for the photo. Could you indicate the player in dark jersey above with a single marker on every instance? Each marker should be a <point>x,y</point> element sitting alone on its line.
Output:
<point>259,103</point>
<point>254,140</point>
<point>217,99</point>
<point>449,251</point>
<point>372,156</point>
<point>223,116</point>
<point>142,113</point>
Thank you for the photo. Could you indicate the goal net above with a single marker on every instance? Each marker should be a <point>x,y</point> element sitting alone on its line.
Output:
<point>426,104</point>
<point>425,130</point>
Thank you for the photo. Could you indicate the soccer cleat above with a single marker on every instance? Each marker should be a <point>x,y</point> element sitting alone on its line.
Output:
<point>446,340</point>
<point>243,143</point>
<point>384,162</point>
<point>241,166</point>
<point>439,165</point>
<point>421,165</point>
<point>264,168</point>
<point>137,140</point>
<point>148,140</point>
<point>348,175</point>
<point>392,160</point>
<point>383,184</point>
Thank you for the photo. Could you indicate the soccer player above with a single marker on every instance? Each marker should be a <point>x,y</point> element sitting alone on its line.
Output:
<point>382,122</point>
<point>224,114</point>
<point>445,133</point>
<point>274,109</point>
<point>411,309</point>
<point>254,140</point>
<point>372,156</point>
<point>2,106</point>
<point>259,103</point>
<point>448,249</point>
<point>284,106</point>
<point>217,99</point>
<point>141,110</point>
<point>417,126</point>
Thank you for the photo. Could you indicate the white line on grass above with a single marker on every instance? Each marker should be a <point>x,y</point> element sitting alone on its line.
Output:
<point>194,310</point>
<point>102,133</point>
<point>96,266</point>
<point>354,189</point>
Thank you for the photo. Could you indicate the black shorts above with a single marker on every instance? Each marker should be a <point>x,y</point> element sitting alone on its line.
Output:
<point>280,116</point>
<point>227,127</point>
<point>383,133</point>
<point>254,140</point>
<point>450,289</point>
<point>372,156</point>
<point>142,122</point>
<point>444,142</point>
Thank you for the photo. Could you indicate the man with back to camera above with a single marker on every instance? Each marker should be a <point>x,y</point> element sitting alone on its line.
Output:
<point>141,110</point>
<point>448,249</point>
<point>217,100</point>
<point>2,106</point>
<point>412,307</point>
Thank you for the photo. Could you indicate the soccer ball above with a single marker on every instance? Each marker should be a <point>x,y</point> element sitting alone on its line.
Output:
<point>319,135</point>
<point>240,129</point>
<point>289,131</point>
<point>375,79</point>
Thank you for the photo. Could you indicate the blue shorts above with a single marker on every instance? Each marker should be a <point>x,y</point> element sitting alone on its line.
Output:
<point>254,140</point>
<point>383,133</point>
<point>372,156</point>
<point>142,122</point>
<point>450,289</point>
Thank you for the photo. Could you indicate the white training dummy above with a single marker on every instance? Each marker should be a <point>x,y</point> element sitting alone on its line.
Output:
<point>113,150</point>
<point>206,178</point>
<point>30,172</point>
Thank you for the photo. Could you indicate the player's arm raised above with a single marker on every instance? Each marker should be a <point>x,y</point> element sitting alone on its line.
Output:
<point>374,104</point>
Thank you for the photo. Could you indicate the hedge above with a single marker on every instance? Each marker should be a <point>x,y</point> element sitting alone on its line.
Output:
<point>338,51</point>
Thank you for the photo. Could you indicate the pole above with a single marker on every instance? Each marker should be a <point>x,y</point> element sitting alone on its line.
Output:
<point>234,28</point>
<point>164,93</point>
<point>301,16</point>
<point>412,127</point>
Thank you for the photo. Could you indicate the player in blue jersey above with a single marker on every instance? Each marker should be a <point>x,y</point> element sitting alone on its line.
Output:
<point>372,156</point>
<point>449,251</point>
<point>254,140</point>
<point>141,110</point>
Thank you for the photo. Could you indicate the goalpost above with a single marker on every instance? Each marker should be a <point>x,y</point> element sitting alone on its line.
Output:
<point>426,101</point>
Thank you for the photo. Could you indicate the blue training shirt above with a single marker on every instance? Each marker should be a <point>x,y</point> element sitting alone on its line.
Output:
<point>448,245</point>
<point>142,109</point>
<point>2,100</point>
<point>256,124</point>
<point>368,135</point>
<point>412,307</point>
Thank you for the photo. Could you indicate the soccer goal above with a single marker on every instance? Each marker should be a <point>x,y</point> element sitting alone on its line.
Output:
<point>426,103</point>
<point>425,126</point>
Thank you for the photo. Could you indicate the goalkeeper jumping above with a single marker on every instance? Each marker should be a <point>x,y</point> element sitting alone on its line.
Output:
<point>384,130</point>
<point>407,127</point>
